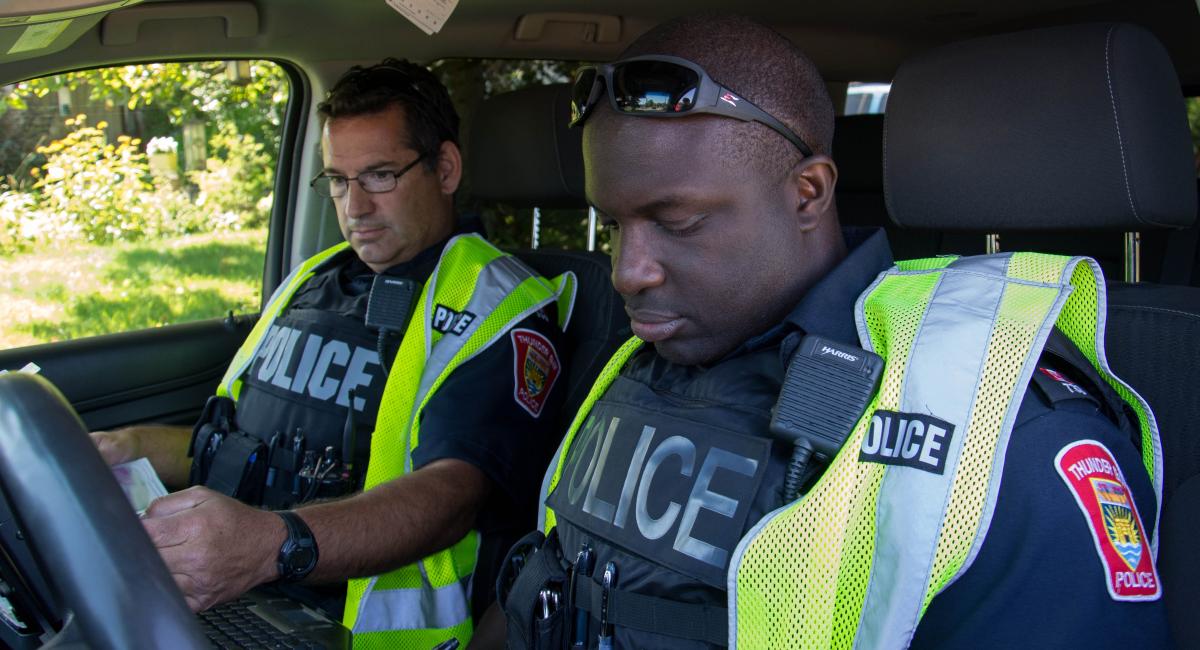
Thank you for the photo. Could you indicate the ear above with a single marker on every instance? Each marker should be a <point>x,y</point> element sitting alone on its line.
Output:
<point>449,167</point>
<point>812,184</point>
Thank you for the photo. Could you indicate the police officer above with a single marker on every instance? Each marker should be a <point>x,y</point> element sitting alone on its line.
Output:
<point>444,419</point>
<point>666,515</point>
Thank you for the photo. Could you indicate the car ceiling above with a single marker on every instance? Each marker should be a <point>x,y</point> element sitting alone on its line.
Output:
<point>849,39</point>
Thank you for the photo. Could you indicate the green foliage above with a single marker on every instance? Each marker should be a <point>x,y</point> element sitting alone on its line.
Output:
<point>235,187</point>
<point>89,189</point>
<point>203,90</point>
<point>95,191</point>
<point>1193,113</point>
<point>86,290</point>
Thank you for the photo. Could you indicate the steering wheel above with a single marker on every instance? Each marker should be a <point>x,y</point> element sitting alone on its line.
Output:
<point>81,528</point>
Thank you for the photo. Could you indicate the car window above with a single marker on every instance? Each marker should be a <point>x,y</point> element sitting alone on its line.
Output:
<point>135,196</point>
<point>469,82</point>
<point>866,98</point>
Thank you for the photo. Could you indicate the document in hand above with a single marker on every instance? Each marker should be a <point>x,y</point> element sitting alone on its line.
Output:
<point>140,483</point>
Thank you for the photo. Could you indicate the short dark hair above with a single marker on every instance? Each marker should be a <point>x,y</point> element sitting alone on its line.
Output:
<point>761,65</point>
<point>428,111</point>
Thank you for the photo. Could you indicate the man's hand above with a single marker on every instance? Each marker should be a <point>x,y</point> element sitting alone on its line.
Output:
<point>118,446</point>
<point>215,547</point>
<point>166,447</point>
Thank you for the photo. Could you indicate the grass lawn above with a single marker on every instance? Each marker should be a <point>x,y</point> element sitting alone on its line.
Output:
<point>83,290</point>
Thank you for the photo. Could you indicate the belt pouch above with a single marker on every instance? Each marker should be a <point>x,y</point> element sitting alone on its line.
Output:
<point>550,633</point>
<point>544,569</point>
<point>216,417</point>
<point>239,468</point>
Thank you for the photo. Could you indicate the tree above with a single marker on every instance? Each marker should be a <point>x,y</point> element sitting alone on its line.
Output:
<point>202,90</point>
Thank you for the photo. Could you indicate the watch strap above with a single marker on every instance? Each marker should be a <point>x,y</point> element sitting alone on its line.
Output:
<point>299,538</point>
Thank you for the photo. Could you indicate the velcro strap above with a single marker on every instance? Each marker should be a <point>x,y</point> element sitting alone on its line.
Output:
<point>658,615</point>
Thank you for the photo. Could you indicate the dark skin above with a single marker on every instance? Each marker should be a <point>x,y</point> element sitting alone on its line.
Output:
<point>705,253</point>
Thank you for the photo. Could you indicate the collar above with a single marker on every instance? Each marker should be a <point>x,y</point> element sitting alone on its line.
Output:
<point>828,307</point>
<point>357,277</point>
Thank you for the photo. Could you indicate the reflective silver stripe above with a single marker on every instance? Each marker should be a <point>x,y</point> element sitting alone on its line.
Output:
<point>495,282</point>
<point>414,609</point>
<point>941,379</point>
<point>567,282</point>
<point>996,265</point>
<point>544,493</point>
<point>945,366</point>
<point>1010,419</point>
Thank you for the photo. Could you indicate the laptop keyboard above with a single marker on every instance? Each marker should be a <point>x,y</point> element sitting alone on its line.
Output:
<point>233,625</point>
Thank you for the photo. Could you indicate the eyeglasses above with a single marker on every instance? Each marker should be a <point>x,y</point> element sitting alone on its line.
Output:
<point>665,86</point>
<point>375,182</point>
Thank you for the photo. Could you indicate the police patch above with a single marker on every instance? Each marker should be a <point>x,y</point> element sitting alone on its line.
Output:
<point>908,440</point>
<point>536,368</point>
<point>1096,482</point>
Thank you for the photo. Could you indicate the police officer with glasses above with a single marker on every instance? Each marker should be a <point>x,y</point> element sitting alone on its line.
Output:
<point>404,381</point>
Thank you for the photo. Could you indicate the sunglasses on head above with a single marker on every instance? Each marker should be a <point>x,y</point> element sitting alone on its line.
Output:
<point>665,86</point>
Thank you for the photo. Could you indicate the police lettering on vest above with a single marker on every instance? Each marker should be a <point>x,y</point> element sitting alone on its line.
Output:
<point>668,488</point>
<point>907,439</point>
<point>322,367</point>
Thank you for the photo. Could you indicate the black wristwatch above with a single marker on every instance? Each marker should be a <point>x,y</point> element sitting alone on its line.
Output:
<point>298,554</point>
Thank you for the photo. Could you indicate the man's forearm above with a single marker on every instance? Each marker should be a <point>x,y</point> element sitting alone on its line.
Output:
<point>396,523</point>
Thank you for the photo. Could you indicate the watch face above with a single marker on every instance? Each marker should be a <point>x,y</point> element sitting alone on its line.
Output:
<point>300,559</point>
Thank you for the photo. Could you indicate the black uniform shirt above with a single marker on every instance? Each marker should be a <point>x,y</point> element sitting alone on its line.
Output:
<point>705,469</point>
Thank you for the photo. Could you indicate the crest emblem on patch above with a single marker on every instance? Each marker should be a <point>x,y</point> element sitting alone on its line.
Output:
<point>536,368</point>
<point>1095,481</point>
<point>1119,521</point>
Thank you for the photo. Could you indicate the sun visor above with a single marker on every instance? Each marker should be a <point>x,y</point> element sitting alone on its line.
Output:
<point>31,28</point>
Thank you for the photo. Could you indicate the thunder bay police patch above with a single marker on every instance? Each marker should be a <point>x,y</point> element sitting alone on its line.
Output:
<point>1095,480</point>
<point>536,368</point>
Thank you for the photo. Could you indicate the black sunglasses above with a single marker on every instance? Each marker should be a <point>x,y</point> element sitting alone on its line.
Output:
<point>665,86</point>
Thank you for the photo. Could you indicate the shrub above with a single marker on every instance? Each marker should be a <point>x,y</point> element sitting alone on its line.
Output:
<point>91,189</point>
<point>235,185</point>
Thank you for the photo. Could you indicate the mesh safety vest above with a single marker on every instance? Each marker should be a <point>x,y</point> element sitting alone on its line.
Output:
<point>856,561</point>
<point>425,603</point>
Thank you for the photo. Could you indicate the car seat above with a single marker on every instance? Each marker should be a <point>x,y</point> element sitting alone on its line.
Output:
<point>1168,256</point>
<point>522,153</point>
<point>1079,128</point>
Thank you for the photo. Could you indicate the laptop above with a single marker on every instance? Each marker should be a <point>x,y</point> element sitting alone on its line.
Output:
<point>263,619</point>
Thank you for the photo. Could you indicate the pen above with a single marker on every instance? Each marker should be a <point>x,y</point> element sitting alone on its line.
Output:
<point>583,566</point>
<point>271,447</point>
<point>544,599</point>
<point>608,582</point>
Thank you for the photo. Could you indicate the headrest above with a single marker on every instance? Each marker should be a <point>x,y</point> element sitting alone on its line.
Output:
<point>1066,127</point>
<point>522,153</point>
<point>858,152</point>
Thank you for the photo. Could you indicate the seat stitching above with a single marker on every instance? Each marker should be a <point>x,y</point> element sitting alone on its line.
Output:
<point>1161,310</point>
<point>1116,121</point>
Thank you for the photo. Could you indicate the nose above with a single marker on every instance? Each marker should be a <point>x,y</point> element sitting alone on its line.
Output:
<point>635,259</point>
<point>357,202</point>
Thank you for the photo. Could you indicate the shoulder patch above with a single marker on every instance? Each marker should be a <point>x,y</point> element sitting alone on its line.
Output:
<point>1095,480</point>
<point>1057,387</point>
<point>535,368</point>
